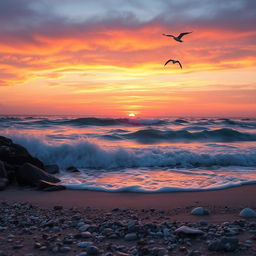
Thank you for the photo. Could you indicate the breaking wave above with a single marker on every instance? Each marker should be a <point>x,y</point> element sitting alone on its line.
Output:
<point>87,154</point>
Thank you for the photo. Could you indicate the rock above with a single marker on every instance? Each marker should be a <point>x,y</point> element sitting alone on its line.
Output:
<point>159,251</point>
<point>195,253</point>
<point>37,245</point>
<point>82,254</point>
<point>224,244</point>
<point>247,213</point>
<point>86,234</point>
<point>199,211</point>
<point>15,154</point>
<point>130,236</point>
<point>52,168</point>
<point>118,253</point>
<point>65,249</point>
<point>57,207</point>
<point>84,228</point>
<point>18,246</point>
<point>2,253</point>
<point>3,172</point>
<point>92,250</point>
<point>84,244</point>
<point>187,231</point>
<point>72,169</point>
<point>3,183</point>
<point>49,186</point>
<point>29,174</point>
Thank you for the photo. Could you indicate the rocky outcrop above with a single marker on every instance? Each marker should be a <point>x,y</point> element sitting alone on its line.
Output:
<point>18,166</point>
<point>16,155</point>
<point>28,174</point>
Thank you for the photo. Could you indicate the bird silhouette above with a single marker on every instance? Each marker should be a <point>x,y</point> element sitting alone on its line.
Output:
<point>178,38</point>
<point>173,61</point>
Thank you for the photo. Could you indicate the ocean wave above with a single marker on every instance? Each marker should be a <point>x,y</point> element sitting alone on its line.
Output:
<point>45,121</point>
<point>140,189</point>
<point>218,135</point>
<point>87,154</point>
<point>240,123</point>
<point>114,121</point>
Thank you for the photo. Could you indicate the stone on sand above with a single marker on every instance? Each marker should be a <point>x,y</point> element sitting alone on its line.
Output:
<point>187,231</point>
<point>247,213</point>
<point>200,211</point>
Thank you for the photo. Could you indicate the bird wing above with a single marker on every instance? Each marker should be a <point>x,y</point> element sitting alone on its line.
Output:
<point>179,64</point>
<point>167,35</point>
<point>168,61</point>
<point>183,34</point>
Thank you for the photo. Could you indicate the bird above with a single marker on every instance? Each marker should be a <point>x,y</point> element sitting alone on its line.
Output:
<point>173,61</point>
<point>178,38</point>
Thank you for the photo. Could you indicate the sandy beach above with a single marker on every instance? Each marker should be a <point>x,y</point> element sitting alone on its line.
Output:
<point>236,197</point>
<point>79,222</point>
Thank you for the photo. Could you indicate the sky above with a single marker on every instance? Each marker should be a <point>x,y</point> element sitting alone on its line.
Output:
<point>106,57</point>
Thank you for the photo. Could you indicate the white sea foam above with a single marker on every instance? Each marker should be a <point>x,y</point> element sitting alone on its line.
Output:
<point>87,154</point>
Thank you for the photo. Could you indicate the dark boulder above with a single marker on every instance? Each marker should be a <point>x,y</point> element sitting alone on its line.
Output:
<point>3,172</point>
<point>28,174</point>
<point>15,154</point>
<point>52,168</point>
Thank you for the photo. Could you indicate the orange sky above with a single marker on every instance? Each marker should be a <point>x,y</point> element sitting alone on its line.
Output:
<point>110,62</point>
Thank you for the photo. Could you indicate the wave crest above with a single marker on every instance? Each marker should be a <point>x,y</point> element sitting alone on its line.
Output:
<point>86,154</point>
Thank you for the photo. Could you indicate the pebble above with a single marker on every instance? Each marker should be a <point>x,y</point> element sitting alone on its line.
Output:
<point>2,253</point>
<point>195,253</point>
<point>84,228</point>
<point>18,246</point>
<point>82,254</point>
<point>200,211</point>
<point>84,244</point>
<point>247,213</point>
<point>86,234</point>
<point>118,253</point>
<point>187,231</point>
<point>92,250</point>
<point>224,244</point>
<point>65,249</point>
<point>130,236</point>
<point>104,234</point>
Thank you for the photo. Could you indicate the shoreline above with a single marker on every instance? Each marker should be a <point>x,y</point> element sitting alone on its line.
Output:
<point>239,196</point>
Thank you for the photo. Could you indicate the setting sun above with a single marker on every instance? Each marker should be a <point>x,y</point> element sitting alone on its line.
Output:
<point>132,115</point>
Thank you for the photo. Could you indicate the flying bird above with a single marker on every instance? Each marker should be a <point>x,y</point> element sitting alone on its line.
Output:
<point>178,38</point>
<point>173,62</point>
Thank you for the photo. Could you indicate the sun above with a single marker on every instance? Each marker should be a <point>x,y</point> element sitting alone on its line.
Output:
<point>131,115</point>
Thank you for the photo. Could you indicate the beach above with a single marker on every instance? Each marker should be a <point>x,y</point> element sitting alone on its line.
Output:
<point>77,222</point>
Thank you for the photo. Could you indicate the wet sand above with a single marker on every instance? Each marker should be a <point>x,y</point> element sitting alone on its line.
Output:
<point>236,197</point>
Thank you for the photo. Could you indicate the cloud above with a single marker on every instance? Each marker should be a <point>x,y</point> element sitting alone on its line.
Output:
<point>39,38</point>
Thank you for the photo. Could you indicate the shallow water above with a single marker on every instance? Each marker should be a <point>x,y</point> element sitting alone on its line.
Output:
<point>141,155</point>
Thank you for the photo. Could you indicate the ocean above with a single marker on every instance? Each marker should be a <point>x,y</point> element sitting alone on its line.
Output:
<point>141,155</point>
